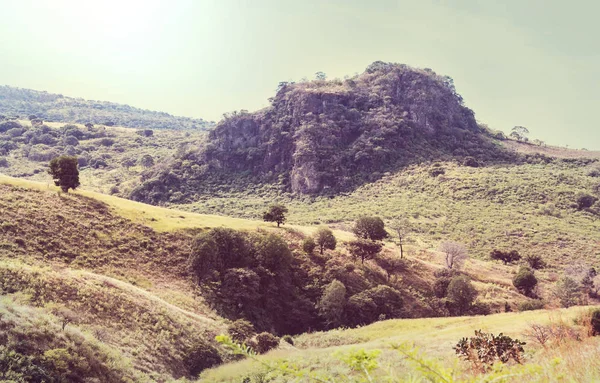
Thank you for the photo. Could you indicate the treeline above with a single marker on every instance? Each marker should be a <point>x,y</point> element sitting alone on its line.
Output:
<point>23,103</point>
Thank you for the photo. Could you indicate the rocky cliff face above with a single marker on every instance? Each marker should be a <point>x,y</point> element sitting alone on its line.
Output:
<point>332,135</point>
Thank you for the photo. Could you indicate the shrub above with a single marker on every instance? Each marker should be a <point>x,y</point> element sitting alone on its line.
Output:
<point>480,308</point>
<point>241,330</point>
<point>200,357</point>
<point>595,322</point>
<point>525,281</point>
<point>461,294</point>
<point>471,162</point>
<point>567,291</point>
<point>288,339</point>
<point>485,349</point>
<point>535,261</point>
<point>530,305</point>
<point>505,256</point>
<point>265,342</point>
<point>585,201</point>
<point>436,170</point>
<point>308,245</point>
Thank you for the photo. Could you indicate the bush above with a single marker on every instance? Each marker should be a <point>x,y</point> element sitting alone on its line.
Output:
<point>525,281</point>
<point>535,261</point>
<point>530,305</point>
<point>241,330</point>
<point>483,350</point>
<point>585,201</point>
<point>568,292</point>
<point>288,339</point>
<point>471,162</point>
<point>436,170</point>
<point>200,357</point>
<point>308,245</point>
<point>480,308</point>
<point>595,322</point>
<point>265,342</point>
<point>505,256</point>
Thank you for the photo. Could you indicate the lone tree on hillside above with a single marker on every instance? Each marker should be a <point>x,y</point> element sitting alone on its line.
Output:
<point>525,281</point>
<point>402,228</point>
<point>455,254</point>
<point>371,228</point>
<point>276,213</point>
<point>64,172</point>
<point>364,249</point>
<point>505,256</point>
<point>325,239</point>
<point>520,133</point>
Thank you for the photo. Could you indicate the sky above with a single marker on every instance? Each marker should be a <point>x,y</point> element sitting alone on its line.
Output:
<point>534,63</point>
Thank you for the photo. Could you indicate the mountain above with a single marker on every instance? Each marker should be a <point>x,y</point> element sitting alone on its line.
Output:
<point>331,136</point>
<point>22,103</point>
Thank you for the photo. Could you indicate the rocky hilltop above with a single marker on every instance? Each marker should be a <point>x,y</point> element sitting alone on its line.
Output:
<point>329,136</point>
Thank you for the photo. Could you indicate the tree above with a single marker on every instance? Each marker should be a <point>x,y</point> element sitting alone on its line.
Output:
<point>402,228</point>
<point>505,256</point>
<point>535,261</point>
<point>321,76</point>
<point>461,294</point>
<point>520,133</point>
<point>64,172</point>
<point>391,265</point>
<point>308,245</point>
<point>147,161</point>
<point>325,239</point>
<point>364,249</point>
<point>454,254</point>
<point>332,303</point>
<point>585,201</point>
<point>567,291</point>
<point>371,228</point>
<point>525,281</point>
<point>275,213</point>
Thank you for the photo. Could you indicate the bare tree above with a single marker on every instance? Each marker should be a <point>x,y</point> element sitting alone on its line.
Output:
<point>455,254</point>
<point>401,227</point>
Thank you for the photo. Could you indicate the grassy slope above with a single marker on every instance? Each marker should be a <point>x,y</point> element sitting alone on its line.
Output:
<point>528,207</point>
<point>435,338</point>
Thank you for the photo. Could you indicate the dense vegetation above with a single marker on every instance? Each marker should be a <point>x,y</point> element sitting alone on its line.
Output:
<point>110,159</point>
<point>22,103</point>
<point>330,136</point>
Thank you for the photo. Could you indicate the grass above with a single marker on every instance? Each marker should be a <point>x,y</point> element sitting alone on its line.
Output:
<point>434,337</point>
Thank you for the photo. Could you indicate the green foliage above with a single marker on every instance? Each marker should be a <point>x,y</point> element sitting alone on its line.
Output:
<point>325,239</point>
<point>264,342</point>
<point>535,261</point>
<point>201,356</point>
<point>378,303</point>
<point>56,107</point>
<point>585,201</point>
<point>241,330</point>
<point>308,245</point>
<point>332,303</point>
<point>364,249</point>
<point>461,294</point>
<point>275,213</point>
<point>595,322</point>
<point>567,291</point>
<point>65,172</point>
<point>371,228</point>
<point>505,256</point>
<point>525,281</point>
<point>485,349</point>
<point>530,304</point>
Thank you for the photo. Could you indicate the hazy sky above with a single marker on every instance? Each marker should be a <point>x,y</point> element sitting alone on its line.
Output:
<point>534,63</point>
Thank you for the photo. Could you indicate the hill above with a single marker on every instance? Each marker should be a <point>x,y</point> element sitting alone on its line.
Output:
<point>410,350</point>
<point>22,103</point>
<point>330,136</point>
<point>110,158</point>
